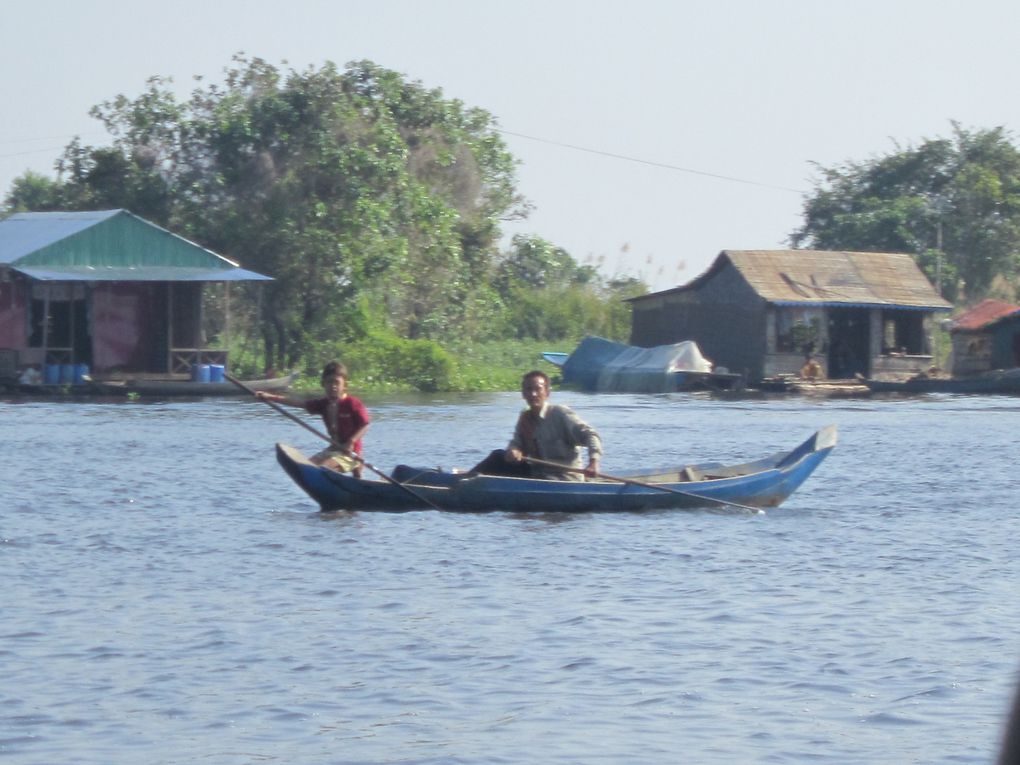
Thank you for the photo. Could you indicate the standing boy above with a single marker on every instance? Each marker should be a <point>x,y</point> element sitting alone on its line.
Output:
<point>345,417</point>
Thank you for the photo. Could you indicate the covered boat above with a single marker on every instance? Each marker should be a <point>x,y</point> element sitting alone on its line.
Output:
<point>605,366</point>
<point>761,483</point>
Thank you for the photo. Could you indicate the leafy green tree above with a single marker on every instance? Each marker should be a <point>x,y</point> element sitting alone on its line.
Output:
<point>537,263</point>
<point>341,185</point>
<point>549,296</point>
<point>35,192</point>
<point>375,203</point>
<point>952,202</point>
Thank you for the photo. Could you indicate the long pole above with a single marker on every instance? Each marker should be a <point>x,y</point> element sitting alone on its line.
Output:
<point>632,482</point>
<point>325,437</point>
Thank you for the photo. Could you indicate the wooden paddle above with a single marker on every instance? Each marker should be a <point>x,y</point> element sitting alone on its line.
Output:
<point>324,436</point>
<point>632,482</point>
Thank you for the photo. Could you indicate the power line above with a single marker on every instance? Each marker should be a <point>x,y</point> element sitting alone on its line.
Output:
<point>7,141</point>
<point>663,165</point>
<point>32,151</point>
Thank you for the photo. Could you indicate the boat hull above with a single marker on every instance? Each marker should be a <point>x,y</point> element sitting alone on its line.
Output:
<point>156,387</point>
<point>762,483</point>
<point>1004,381</point>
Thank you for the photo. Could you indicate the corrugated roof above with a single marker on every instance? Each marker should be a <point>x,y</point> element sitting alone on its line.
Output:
<point>146,274</point>
<point>107,245</point>
<point>985,313</point>
<point>22,234</point>
<point>824,277</point>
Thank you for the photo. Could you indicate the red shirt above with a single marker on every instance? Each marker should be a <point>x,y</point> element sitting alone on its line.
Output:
<point>351,416</point>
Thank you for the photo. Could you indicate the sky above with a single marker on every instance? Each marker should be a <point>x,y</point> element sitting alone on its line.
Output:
<point>651,134</point>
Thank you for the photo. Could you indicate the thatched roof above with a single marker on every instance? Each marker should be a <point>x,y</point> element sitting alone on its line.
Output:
<point>823,277</point>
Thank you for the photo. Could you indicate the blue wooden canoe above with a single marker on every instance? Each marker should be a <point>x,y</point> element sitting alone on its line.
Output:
<point>761,483</point>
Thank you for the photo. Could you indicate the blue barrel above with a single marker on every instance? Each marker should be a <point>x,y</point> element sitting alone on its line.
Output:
<point>51,374</point>
<point>66,374</point>
<point>216,372</point>
<point>200,373</point>
<point>81,371</point>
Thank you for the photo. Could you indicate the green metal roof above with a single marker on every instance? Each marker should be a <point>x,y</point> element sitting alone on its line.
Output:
<point>107,245</point>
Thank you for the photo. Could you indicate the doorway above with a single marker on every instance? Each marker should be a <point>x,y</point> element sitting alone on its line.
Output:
<point>59,323</point>
<point>849,343</point>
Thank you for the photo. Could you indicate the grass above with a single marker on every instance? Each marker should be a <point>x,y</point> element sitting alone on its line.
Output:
<point>497,366</point>
<point>476,367</point>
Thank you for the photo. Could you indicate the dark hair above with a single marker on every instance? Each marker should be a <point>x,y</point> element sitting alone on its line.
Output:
<point>536,373</point>
<point>334,368</point>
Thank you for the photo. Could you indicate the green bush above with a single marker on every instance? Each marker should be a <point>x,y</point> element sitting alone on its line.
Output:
<point>386,362</point>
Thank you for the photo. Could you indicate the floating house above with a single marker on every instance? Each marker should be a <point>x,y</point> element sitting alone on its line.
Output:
<point>758,312</point>
<point>985,338</point>
<point>106,291</point>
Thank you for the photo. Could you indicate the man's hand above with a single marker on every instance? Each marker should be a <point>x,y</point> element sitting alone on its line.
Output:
<point>514,455</point>
<point>592,470</point>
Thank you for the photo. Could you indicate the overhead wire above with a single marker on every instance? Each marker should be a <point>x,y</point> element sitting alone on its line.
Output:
<point>652,163</point>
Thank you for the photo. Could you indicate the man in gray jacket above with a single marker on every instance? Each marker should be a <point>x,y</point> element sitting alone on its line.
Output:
<point>548,432</point>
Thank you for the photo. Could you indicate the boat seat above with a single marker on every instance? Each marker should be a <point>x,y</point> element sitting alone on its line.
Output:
<point>689,474</point>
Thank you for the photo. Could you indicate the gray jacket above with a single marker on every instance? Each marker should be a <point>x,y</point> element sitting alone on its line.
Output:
<point>556,435</point>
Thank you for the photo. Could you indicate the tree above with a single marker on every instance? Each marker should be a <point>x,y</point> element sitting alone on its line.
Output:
<point>549,296</point>
<point>954,203</point>
<point>351,188</point>
<point>33,191</point>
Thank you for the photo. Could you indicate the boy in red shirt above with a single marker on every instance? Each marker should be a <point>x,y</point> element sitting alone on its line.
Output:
<point>345,417</point>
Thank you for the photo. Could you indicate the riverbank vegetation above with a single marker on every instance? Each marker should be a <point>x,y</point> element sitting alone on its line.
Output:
<point>374,203</point>
<point>377,205</point>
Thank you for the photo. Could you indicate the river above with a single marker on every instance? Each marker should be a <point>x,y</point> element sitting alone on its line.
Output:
<point>169,596</point>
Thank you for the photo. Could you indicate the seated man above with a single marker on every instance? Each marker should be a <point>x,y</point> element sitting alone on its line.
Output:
<point>811,370</point>
<point>548,432</point>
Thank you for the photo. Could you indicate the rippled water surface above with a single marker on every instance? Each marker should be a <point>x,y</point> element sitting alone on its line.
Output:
<point>169,596</point>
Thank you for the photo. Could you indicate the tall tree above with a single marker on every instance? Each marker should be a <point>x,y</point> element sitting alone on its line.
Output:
<point>351,188</point>
<point>952,202</point>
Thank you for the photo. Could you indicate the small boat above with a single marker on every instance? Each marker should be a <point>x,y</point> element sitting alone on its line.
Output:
<point>762,483</point>
<point>1005,381</point>
<point>556,358</point>
<point>186,387</point>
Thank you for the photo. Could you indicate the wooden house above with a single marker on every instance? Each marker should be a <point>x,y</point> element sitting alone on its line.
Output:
<point>106,291</point>
<point>986,337</point>
<point>758,312</point>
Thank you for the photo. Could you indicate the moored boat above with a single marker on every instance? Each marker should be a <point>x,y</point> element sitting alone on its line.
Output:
<point>765,482</point>
<point>604,366</point>
<point>1001,381</point>
<point>157,387</point>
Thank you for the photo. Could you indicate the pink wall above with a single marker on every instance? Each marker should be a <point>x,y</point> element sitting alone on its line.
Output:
<point>13,333</point>
<point>127,320</point>
<point>116,313</point>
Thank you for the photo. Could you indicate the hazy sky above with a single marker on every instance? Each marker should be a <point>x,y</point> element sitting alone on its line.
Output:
<point>721,107</point>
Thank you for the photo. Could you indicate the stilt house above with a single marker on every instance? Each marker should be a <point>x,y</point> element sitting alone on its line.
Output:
<point>108,291</point>
<point>758,312</point>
